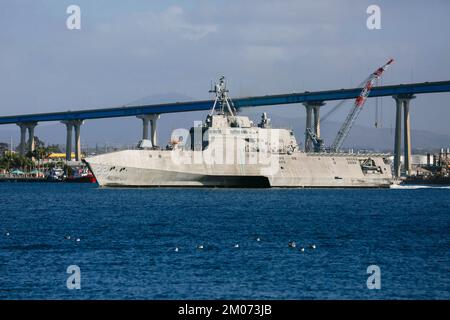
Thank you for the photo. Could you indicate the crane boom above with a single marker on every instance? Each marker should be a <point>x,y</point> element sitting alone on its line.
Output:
<point>357,107</point>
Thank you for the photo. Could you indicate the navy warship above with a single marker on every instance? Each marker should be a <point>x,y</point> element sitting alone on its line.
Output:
<point>230,150</point>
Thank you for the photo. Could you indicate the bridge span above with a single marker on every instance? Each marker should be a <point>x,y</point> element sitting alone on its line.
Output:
<point>313,101</point>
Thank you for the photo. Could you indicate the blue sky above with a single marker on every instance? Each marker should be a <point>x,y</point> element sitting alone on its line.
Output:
<point>126,50</point>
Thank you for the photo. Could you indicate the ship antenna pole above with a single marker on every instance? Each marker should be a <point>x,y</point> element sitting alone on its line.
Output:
<point>221,92</point>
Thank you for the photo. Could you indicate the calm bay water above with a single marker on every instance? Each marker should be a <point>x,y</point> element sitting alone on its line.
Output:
<point>127,240</point>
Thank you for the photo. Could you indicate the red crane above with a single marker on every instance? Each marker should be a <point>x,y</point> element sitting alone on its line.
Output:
<point>357,107</point>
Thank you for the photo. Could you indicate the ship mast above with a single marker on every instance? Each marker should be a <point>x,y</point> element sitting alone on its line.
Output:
<point>222,99</point>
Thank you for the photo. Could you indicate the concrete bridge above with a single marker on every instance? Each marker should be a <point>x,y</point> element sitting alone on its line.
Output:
<point>313,101</point>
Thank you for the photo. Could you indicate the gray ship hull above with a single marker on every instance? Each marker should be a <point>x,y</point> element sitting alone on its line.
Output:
<point>157,168</point>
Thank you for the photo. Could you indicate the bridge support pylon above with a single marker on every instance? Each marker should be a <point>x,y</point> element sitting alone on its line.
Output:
<point>70,125</point>
<point>152,119</point>
<point>24,127</point>
<point>23,137</point>
<point>402,102</point>
<point>77,126</point>
<point>312,107</point>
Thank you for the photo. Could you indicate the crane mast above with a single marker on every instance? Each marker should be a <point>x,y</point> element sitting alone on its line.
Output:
<point>357,107</point>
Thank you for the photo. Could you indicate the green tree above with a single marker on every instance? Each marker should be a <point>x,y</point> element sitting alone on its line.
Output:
<point>15,161</point>
<point>53,148</point>
<point>39,153</point>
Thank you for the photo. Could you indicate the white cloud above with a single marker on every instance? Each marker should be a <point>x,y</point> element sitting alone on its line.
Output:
<point>173,22</point>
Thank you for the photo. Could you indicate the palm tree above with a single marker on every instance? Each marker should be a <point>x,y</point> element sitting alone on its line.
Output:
<point>14,161</point>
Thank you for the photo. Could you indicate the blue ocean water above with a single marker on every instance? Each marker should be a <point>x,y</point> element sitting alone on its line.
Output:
<point>128,239</point>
